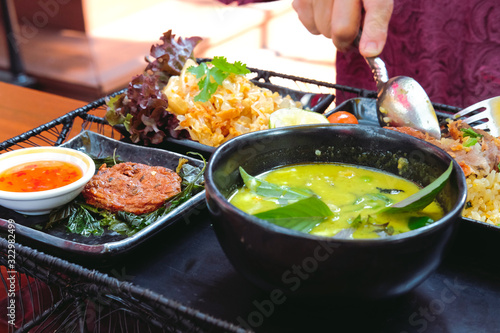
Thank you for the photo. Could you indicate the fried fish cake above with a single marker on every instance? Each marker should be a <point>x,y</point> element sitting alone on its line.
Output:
<point>131,187</point>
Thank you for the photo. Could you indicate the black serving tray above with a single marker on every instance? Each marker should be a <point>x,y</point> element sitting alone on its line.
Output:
<point>110,244</point>
<point>365,109</point>
<point>189,266</point>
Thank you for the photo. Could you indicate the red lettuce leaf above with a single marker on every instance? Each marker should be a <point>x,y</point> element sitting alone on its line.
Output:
<point>142,109</point>
<point>171,56</point>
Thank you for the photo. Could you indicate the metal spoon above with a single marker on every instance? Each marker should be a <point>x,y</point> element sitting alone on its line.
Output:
<point>401,101</point>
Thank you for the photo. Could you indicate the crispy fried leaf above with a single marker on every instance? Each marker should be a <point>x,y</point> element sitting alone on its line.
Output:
<point>61,214</point>
<point>109,161</point>
<point>83,223</point>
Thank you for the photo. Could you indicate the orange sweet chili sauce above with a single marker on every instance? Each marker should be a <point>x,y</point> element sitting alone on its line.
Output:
<point>39,176</point>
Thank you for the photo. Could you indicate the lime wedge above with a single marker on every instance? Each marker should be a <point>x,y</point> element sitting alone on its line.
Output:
<point>295,116</point>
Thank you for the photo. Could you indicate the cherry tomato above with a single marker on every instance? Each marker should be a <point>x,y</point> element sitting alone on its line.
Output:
<point>342,117</point>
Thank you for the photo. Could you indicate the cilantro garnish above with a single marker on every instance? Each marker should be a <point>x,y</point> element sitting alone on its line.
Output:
<point>470,142</point>
<point>469,132</point>
<point>471,137</point>
<point>211,77</point>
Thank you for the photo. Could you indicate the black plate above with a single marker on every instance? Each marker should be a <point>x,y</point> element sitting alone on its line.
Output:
<point>110,243</point>
<point>365,110</point>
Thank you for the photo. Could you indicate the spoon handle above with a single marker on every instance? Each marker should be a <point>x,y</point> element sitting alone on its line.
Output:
<point>376,64</point>
<point>379,71</point>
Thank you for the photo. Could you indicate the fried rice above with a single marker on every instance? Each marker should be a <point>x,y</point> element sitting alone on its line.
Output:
<point>480,163</point>
<point>483,198</point>
<point>237,107</point>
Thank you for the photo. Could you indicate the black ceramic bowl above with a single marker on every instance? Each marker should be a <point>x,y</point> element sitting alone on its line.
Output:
<point>290,262</point>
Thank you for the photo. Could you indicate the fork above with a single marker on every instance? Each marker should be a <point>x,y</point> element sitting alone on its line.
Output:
<point>484,115</point>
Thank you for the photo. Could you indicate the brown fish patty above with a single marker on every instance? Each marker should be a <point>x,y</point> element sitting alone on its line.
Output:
<point>131,187</point>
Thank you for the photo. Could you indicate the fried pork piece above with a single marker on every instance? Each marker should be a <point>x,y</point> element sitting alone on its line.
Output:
<point>131,187</point>
<point>479,158</point>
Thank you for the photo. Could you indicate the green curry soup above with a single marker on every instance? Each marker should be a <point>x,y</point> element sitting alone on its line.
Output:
<point>354,194</point>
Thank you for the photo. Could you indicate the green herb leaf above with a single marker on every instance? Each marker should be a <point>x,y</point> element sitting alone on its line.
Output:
<point>266,189</point>
<point>422,198</point>
<point>385,230</point>
<point>236,68</point>
<point>210,78</point>
<point>302,215</point>
<point>205,83</point>
<point>357,222</point>
<point>470,142</point>
<point>416,222</point>
<point>469,132</point>
<point>370,200</point>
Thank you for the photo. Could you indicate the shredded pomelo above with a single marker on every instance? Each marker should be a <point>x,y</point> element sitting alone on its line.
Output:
<point>237,107</point>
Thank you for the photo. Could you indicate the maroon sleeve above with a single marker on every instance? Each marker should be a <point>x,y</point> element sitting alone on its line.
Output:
<point>451,48</point>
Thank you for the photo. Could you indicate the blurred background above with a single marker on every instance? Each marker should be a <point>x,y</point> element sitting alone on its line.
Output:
<point>86,49</point>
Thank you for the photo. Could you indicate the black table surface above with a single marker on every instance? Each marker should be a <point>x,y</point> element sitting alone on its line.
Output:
<point>186,264</point>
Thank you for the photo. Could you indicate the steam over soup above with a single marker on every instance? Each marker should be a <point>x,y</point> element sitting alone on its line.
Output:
<point>353,194</point>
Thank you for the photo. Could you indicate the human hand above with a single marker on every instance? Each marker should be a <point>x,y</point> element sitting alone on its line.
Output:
<point>340,20</point>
